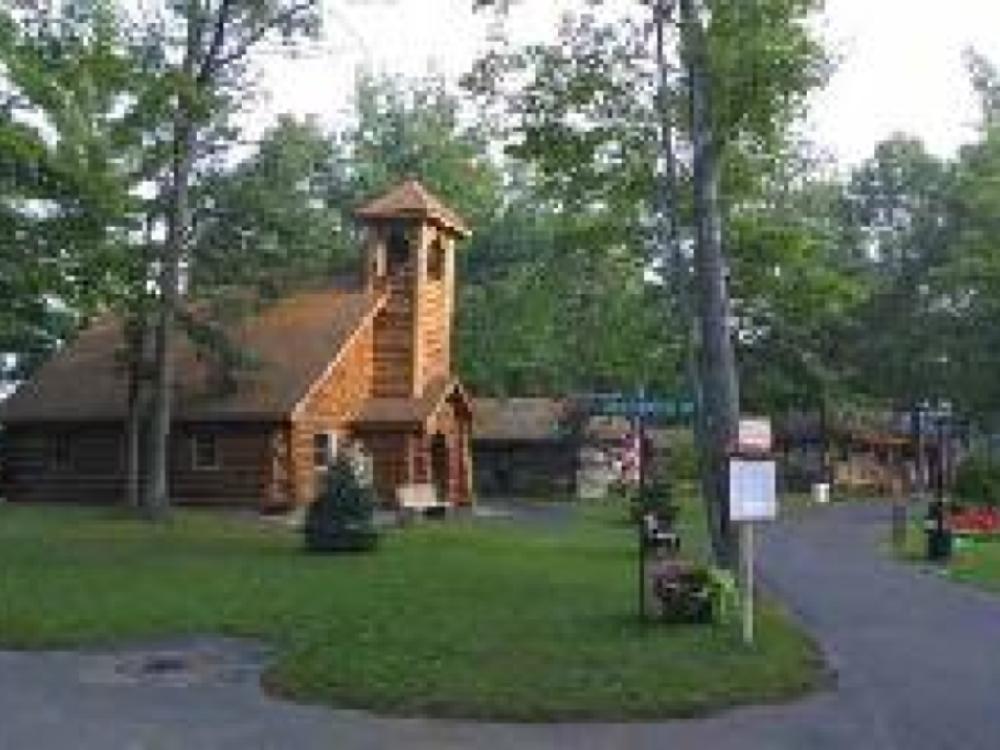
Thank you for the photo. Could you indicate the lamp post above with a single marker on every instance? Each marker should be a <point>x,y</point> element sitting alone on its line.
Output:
<point>939,539</point>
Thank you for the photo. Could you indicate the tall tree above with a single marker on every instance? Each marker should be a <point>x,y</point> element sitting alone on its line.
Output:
<point>80,106</point>
<point>205,45</point>
<point>274,221</point>
<point>583,112</point>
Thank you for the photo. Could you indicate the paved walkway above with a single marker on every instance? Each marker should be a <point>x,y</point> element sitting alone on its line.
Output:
<point>918,661</point>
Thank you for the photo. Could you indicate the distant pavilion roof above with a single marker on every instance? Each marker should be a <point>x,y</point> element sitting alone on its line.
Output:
<point>411,200</point>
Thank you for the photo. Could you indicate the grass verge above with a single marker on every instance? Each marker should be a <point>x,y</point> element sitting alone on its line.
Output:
<point>974,561</point>
<point>465,619</point>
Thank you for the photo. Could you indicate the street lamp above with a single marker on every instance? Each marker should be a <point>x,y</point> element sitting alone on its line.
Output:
<point>939,538</point>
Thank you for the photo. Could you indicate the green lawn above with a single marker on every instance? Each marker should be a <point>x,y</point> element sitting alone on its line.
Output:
<point>975,561</point>
<point>460,619</point>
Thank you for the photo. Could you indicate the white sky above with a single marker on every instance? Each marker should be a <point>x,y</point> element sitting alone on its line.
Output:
<point>901,62</point>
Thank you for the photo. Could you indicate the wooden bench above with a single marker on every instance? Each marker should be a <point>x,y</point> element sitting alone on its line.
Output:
<point>418,499</point>
<point>655,537</point>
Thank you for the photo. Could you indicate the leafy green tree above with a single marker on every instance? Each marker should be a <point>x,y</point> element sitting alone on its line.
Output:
<point>70,170</point>
<point>271,223</point>
<point>898,205</point>
<point>202,48</point>
<point>587,112</point>
<point>80,106</point>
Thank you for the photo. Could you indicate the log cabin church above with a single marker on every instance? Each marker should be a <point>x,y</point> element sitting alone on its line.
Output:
<point>368,365</point>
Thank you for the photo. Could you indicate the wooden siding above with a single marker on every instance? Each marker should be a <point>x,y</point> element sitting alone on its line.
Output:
<point>455,431</point>
<point>95,472</point>
<point>394,345</point>
<point>244,475</point>
<point>334,402</point>
<point>413,331</point>
<point>436,315</point>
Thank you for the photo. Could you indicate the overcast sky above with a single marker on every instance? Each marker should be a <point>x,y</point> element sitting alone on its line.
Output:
<point>901,63</point>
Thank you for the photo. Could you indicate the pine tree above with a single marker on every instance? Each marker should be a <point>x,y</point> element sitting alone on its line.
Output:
<point>342,519</point>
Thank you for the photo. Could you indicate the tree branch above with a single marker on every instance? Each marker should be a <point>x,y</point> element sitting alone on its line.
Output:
<point>218,39</point>
<point>257,35</point>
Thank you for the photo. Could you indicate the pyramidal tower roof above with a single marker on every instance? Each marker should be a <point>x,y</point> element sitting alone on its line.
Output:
<point>411,200</point>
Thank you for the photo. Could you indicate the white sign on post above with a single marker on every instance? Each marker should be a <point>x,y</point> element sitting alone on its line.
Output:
<point>754,435</point>
<point>752,498</point>
<point>752,490</point>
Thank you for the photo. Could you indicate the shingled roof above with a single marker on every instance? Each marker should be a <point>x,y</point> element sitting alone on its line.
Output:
<point>290,344</point>
<point>383,412</point>
<point>411,200</point>
<point>519,419</point>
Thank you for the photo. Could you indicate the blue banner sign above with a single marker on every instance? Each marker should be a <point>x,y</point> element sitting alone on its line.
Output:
<point>620,405</point>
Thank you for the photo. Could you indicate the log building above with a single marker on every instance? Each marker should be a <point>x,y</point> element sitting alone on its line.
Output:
<point>369,365</point>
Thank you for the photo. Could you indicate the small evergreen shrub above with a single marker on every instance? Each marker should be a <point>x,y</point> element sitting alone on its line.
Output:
<point>342,518</point>
<point>978,481</point>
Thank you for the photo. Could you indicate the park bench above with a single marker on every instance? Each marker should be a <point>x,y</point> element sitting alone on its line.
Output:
<point>658,538</point>
<point>418,499</point>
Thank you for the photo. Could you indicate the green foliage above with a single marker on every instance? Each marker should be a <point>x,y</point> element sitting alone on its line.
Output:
<point>683,592</point>
<point>723,591</point>
<point>72,162</point>
<point>657,497</point>
<point>271,223</point>
<point>412,128</point>
<point>682,457</point>
<point>977,480</point>
<point>342,518</point>
<point>765,59</point>
<point>694,593</point>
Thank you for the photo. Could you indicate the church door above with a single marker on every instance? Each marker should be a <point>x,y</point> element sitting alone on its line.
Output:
<point>440,466</point>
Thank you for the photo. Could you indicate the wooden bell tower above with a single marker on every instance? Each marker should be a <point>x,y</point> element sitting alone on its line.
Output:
<point>410,256</point>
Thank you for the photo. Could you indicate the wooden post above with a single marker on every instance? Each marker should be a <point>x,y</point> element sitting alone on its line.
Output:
<point>642,571</point>
<point>747,565</point>
<point>639,429</point>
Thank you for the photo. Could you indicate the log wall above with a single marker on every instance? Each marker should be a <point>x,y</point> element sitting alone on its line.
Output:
<point>94,472</point>
<point>95,469</point>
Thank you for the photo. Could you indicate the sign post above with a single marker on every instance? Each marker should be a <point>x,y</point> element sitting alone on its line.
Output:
<point>639,409</point>
<point>752,498</point>
<point>746,562</point>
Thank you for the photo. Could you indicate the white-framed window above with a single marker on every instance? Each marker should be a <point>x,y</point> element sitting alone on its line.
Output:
<point>324,450</point>
<point>205,452</point>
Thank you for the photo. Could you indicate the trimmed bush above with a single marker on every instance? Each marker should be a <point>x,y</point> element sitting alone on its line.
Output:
<point>342,519</point>
<point>978,481</point>
<point>683,592</point>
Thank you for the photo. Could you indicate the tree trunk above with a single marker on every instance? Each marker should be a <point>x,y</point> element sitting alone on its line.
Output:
<point>717,362</point>
<point>668,215</point>
<point>136,344</point>
<point>178,232</point>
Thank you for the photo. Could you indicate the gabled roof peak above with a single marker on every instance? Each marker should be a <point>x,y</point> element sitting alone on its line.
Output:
<point>411,200</point>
